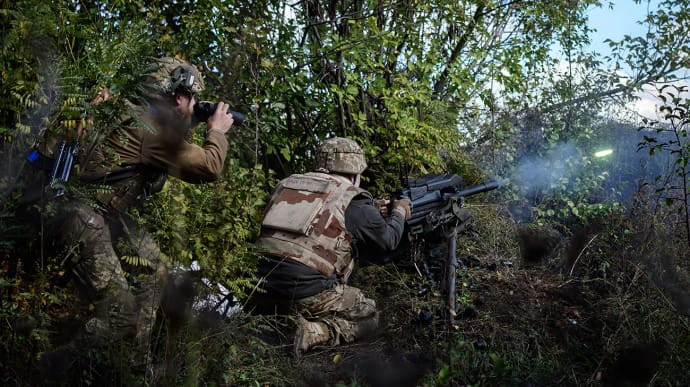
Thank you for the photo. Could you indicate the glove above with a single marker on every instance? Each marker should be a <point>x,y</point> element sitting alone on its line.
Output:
<point>404,206</point>
<point>382,206</point>
<point>378,203</point>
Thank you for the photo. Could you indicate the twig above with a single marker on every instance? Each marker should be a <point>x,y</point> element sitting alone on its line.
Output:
<point>580,255</point>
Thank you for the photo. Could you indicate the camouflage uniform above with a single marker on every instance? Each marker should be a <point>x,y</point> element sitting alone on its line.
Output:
<point>118,265</point>
<point>309,248</point>
<point>125,293</point>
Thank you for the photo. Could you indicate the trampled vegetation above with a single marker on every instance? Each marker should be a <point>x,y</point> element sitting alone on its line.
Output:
<point>576,271</point>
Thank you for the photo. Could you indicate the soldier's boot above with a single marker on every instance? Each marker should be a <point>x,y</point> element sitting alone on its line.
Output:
<point>309,334</point>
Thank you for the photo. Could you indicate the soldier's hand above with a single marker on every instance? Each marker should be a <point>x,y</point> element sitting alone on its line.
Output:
<point>404,207</point>
<point>220,120</point>
<point>382,206</point>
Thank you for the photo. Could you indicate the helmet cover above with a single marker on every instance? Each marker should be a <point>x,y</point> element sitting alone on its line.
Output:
<point>340,155</point>
<point>173,74</point>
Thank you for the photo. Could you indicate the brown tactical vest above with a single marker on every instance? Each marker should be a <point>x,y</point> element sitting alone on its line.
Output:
<point>305,221</point>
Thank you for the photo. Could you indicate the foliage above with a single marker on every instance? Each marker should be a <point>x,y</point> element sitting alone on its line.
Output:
<point>627,295</point>
<point>646,270</point>
<point>211,224</point>
<point>554,173</point>
<point>658,53</point>
<point>473,87</point>
<point>212,351</point>
<point>669,137</point>
<point>403,79</point>
<point>470,363</point>
<point>27,310</point>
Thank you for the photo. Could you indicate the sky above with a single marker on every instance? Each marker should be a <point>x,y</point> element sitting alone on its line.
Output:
<point>617,22</point>
<point>614,24</point>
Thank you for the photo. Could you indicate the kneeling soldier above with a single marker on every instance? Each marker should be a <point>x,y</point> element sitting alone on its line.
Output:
<point>312,225</point>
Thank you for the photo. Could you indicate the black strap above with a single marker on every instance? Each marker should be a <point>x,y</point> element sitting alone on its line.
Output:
<point>111,177</point>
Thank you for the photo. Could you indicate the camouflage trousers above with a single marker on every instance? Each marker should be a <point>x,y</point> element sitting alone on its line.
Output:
<point>121,272</point>
<point>347,312</point>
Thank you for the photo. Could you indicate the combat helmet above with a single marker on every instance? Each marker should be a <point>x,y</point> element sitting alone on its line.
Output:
<point>340,155</point>
<point>173,74</point>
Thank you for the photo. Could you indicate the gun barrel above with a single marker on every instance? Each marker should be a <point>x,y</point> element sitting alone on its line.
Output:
<point>488,186</point>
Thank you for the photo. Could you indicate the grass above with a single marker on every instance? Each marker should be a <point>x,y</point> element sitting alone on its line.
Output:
<point>621,305</point>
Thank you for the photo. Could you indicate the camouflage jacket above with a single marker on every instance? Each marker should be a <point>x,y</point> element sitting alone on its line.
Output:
<point>305,222</point>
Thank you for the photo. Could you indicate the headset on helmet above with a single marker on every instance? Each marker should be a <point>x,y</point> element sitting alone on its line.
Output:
<point>340,155</point>
<point>173,74</point>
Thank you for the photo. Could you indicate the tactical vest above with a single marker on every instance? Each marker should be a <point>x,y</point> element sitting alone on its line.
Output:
<point>305,221</point>
<point>130,184</point>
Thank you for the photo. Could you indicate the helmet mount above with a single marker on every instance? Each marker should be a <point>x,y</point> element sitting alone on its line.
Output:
<point>175,74</point>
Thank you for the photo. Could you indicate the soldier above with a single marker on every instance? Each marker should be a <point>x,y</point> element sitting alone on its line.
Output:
<point>150,144</point>
<point>312,225</point>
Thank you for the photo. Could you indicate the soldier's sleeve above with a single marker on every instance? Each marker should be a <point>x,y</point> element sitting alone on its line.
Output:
<point>190,162</point>
<point>199,164</point>
<point>365,223</point>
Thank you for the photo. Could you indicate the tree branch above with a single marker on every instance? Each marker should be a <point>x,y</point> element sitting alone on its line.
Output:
<point>462,42</point>
<point>607,93</point>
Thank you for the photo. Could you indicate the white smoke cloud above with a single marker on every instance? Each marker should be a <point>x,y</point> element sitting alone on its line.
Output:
<point>542,172</point>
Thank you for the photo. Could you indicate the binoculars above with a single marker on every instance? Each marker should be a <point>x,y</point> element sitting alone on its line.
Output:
<point>204,110</point>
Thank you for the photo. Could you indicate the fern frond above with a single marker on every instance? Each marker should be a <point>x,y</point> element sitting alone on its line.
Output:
<point>136,261</point>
